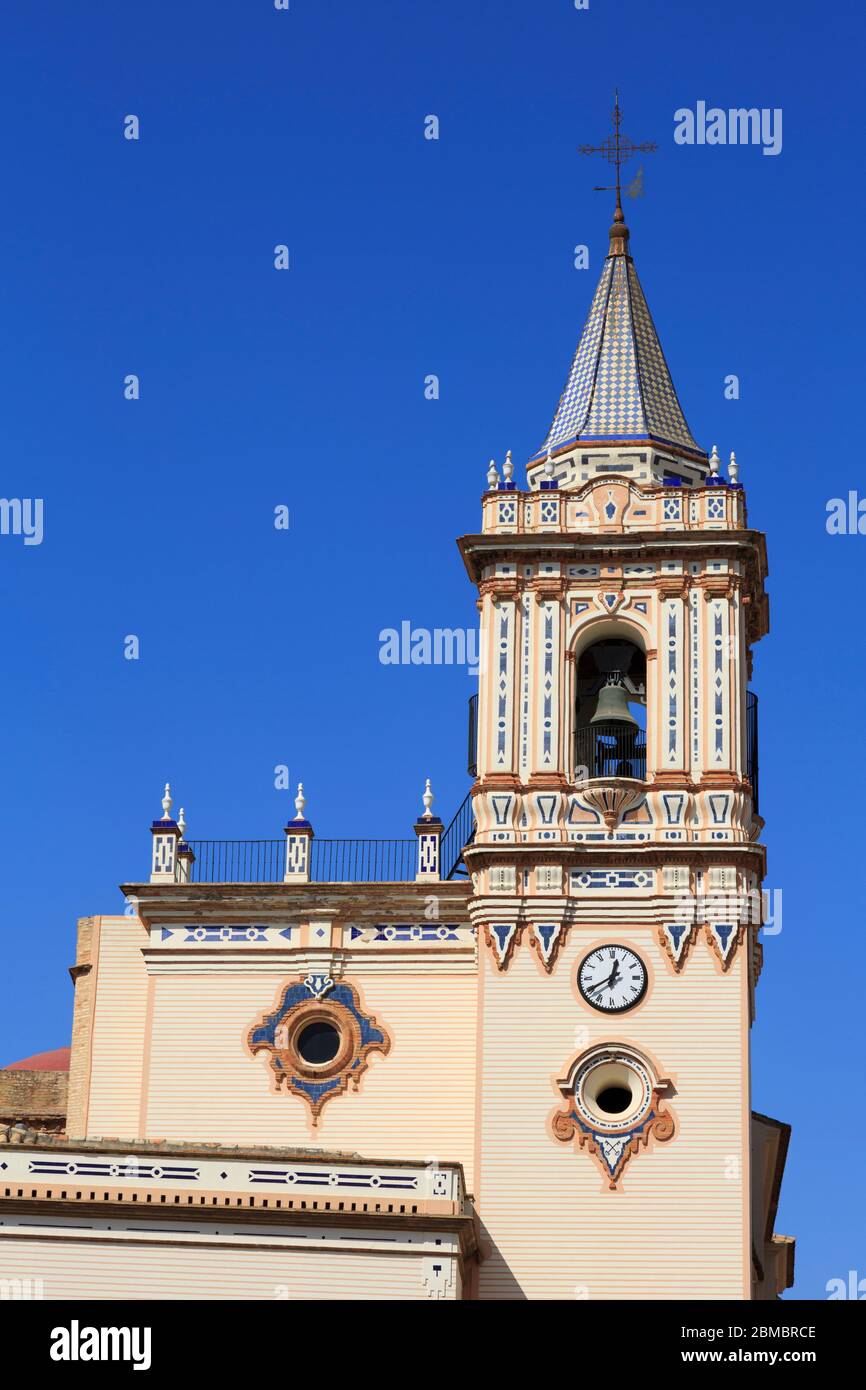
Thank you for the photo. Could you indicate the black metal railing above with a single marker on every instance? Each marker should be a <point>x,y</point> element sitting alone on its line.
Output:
<point>472,757</point>
<point>752,743</point>
<point>460,833</point>
<point>610,749</point>
<point>363,861</point>
<point>238,861</point>
<point>331,861</point>
<point>615,750</point>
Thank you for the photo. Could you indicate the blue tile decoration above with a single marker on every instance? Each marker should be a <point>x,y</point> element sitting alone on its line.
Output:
<point>359,1033</point>
<point>546,939</point>
<point>595,880</point>
<point>724,937</point>
<point>218,934</point>
<point>676,937</point>
<point>293,1177</point>
<point>433,931</point>
<point>112,1168</point>
<point>319,985</point>
<point>211,934</point>
<point>501,937</point>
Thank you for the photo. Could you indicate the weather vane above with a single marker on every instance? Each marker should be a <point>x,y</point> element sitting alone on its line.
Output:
<point>616,149</point>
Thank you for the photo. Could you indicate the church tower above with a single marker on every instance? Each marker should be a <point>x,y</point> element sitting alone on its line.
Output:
<point>616,864</point>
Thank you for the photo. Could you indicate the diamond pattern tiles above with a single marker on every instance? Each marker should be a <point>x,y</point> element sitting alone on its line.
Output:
<point>619,386</point>
<point>663,411</point>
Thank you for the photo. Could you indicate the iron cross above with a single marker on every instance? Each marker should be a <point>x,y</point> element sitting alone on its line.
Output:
<point>616,149</point>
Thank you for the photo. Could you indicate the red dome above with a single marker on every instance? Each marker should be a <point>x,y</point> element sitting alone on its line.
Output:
<point>58,1060</point>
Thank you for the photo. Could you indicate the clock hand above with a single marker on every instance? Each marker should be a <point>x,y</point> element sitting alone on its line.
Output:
<point>603,984</point>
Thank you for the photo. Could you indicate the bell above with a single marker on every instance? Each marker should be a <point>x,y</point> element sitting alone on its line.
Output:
<point>613,702</point>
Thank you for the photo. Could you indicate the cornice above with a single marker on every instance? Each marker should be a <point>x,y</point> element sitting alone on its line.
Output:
<point>247,1209</point>
<point>193,902</point>
<point>580,855</point>
<point>559,545</point>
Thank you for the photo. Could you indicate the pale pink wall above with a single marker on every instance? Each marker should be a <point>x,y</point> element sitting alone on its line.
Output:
<point>118,1042</point>
<point>121,1267</point>
<point>415,1103</point>
<point>678,1227</point>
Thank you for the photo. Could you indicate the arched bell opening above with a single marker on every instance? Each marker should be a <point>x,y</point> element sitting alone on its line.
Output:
<point>610,711</point>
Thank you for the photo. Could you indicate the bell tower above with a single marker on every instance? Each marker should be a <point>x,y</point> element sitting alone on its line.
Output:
<point>616,864</point>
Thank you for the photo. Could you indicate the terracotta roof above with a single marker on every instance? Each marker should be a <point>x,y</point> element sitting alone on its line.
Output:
<point>58,1060</point>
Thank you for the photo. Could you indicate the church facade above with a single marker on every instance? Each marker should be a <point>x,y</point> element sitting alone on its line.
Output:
<point>507,1059</point>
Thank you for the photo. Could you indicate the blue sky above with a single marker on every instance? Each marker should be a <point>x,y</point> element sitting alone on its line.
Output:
<point>305,388</point>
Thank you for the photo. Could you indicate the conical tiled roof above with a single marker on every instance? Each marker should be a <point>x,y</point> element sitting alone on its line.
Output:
<point>619,386</point>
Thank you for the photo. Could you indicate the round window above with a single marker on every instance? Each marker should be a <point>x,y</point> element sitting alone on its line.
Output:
<point>318,1043</point>
<point>613,1089</point>
<point>613,1100</point>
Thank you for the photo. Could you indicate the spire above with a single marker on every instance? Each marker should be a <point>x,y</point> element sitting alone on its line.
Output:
<point>619,387</point>
<point>617,149</point>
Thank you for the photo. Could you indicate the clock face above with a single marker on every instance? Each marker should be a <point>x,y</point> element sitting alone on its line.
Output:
<point>612,978</point>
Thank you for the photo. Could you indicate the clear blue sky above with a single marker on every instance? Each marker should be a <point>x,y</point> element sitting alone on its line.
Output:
<point>408,257</point>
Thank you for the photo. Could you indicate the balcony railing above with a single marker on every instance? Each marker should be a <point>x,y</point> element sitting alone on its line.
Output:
<point>363,861</point>
<point>752,744</point>
<point>609,749</point>
<point>472,757</point>
<point>331,861</point>
<point>460,833</point>
<point>238,861</point>
<point>615,750</point>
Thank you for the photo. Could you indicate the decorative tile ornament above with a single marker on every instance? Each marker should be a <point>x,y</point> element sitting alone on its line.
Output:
<point>677,937</point>
<point>612,1140</point>
<point>724,938</point>
<point>319,985</point>
<point>388,1181</point>
<point>438,1276</point>
<point>219,934</point>
<point>608,880</point>
<point>336,1005</point>
<point>501,938</point>
<point>129,1168</point>
<point>545,939</point>
<point>408,932</point>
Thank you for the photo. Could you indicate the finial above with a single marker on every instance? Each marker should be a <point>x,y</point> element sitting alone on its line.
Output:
<point>181,823</point>
<point>427,799</point>
<point>166,803</point>
<point>300,802</point>
<point>492,476</point>
<point>733,468</point>
<point>548,464</point>
<point>617,149</point>
<point>508,468</point>
<point>715,461</point>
